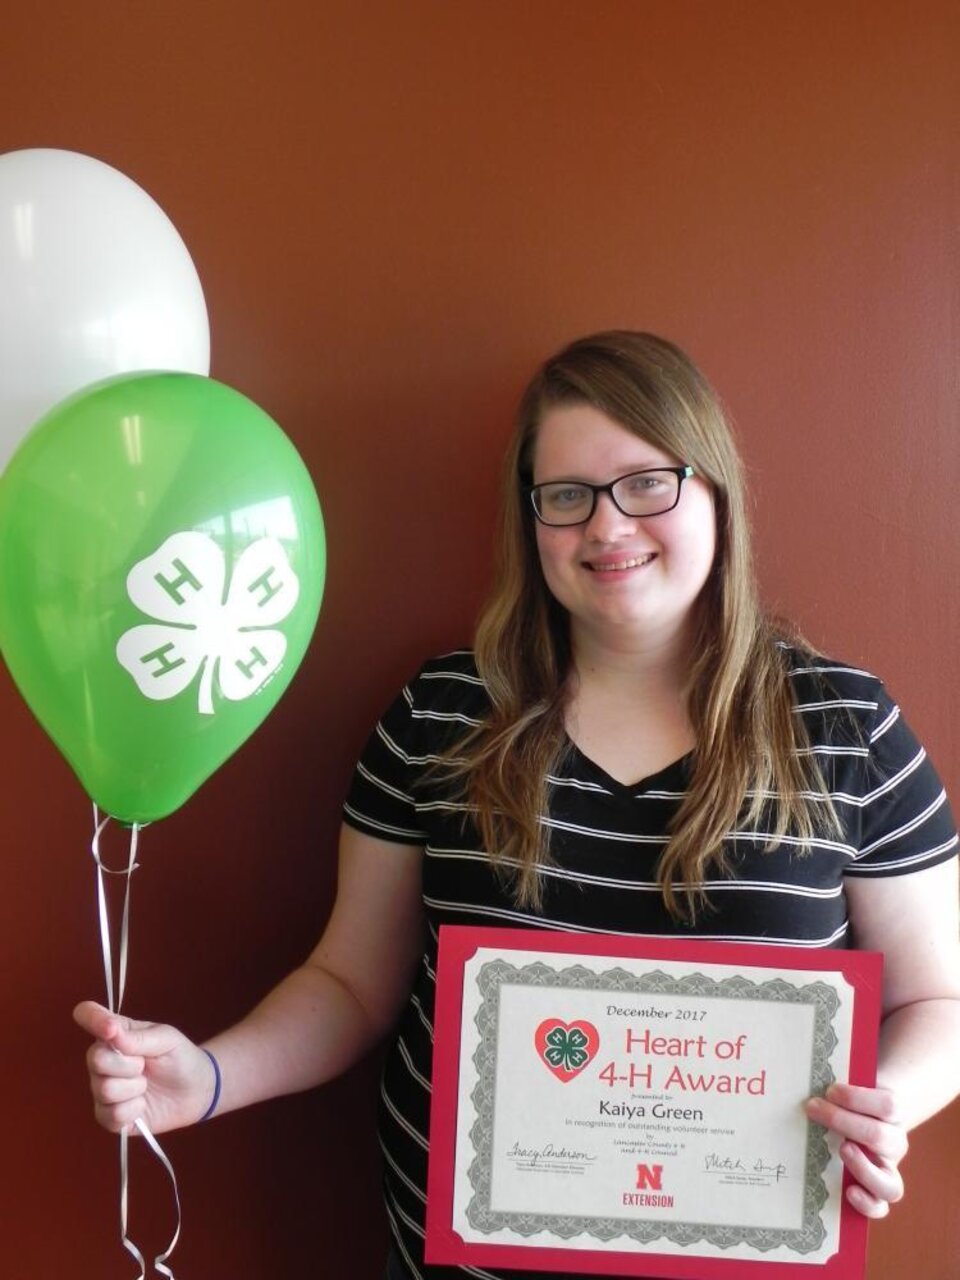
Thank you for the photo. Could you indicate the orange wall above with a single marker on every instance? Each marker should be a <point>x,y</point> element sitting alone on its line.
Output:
<point>396,209</point>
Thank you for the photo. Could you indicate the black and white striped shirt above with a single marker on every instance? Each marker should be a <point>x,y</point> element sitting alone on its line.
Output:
<point>605,839</point>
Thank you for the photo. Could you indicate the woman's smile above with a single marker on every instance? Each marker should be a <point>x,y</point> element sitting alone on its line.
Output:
<point>608,568</point>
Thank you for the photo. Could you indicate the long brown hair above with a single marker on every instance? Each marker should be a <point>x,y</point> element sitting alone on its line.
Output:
<point>749,745</point>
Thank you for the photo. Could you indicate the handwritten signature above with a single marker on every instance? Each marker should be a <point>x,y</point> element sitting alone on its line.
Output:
<point>548,1152</point>
<point>714,1163</point>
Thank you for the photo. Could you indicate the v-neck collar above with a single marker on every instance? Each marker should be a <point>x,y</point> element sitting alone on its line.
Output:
<point>672,777</point>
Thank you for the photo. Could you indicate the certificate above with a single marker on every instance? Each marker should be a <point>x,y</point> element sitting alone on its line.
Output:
<point>634,1106</point>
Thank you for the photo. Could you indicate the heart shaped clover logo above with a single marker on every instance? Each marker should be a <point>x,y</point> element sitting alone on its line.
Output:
<point>565,1048</point>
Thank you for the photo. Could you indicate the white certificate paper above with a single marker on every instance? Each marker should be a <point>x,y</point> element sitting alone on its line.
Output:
<point>598,1099</point>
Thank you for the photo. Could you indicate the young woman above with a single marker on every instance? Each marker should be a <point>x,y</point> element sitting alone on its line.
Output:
<point>632,748</point>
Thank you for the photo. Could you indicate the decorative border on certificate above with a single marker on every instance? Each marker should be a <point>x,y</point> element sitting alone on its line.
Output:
<point>691,1060</point>
<point>497,973</point>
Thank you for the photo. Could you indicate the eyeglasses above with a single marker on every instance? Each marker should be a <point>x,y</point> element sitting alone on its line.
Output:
<point>641,493</point>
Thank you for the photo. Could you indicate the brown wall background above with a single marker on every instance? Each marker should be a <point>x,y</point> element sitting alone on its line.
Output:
<point>396,209</point>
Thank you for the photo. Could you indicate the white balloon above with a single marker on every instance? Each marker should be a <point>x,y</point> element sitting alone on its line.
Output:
<point>94,280</point>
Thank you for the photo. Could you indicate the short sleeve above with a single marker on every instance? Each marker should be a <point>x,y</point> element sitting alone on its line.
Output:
<point>906,821</point>
<point>380,801</point>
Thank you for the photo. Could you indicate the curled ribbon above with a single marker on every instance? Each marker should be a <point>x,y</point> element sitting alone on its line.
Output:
<point>114,1002</point>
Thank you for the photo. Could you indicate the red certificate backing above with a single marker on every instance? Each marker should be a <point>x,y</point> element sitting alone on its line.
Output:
<point>861,969</point>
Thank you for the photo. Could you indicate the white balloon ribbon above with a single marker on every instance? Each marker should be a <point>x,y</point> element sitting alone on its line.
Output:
<point>114,1001</point>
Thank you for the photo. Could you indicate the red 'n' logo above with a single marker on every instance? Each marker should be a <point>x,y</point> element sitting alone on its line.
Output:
<point>649,1176</point>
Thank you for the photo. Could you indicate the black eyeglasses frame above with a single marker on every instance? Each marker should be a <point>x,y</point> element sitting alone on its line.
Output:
<point>683,472</point>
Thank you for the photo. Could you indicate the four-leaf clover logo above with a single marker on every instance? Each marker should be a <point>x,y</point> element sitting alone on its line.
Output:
<point>203,624</point>
<point>566,1047</point>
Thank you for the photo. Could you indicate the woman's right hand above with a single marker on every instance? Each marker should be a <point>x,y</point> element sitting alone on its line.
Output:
<point>143,1071</point>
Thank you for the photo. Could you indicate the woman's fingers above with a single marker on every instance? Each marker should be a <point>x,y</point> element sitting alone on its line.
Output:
<point>96,1020</point>
<point>110,1090</point>
<point>103,1060</point>
<point>144,1039</point>
<point>115,1117</point>
<point>871,1101</point>
<point>874,1129</point>
<point>878,1184</point>
<point>874,1143</point>
<point>870,1206</point>
<point>128,1036</point>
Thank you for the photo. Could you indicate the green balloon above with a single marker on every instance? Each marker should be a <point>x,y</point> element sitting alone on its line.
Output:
<point>162,560</point>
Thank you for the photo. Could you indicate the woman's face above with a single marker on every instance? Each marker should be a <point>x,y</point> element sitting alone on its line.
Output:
<point>623,579</point>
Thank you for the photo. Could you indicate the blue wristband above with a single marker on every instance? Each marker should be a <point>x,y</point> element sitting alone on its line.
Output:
<point>218,1081</point>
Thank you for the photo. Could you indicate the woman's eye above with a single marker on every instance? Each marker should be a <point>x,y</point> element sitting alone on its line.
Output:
<point>646,483</point>
<point>569,496</point>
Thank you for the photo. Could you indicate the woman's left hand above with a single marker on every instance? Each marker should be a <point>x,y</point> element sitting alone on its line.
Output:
<point>874,1143</point>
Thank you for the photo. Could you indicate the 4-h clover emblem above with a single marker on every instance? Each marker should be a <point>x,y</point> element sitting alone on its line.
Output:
<point>203,624</point>
<point>566,1047</point>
